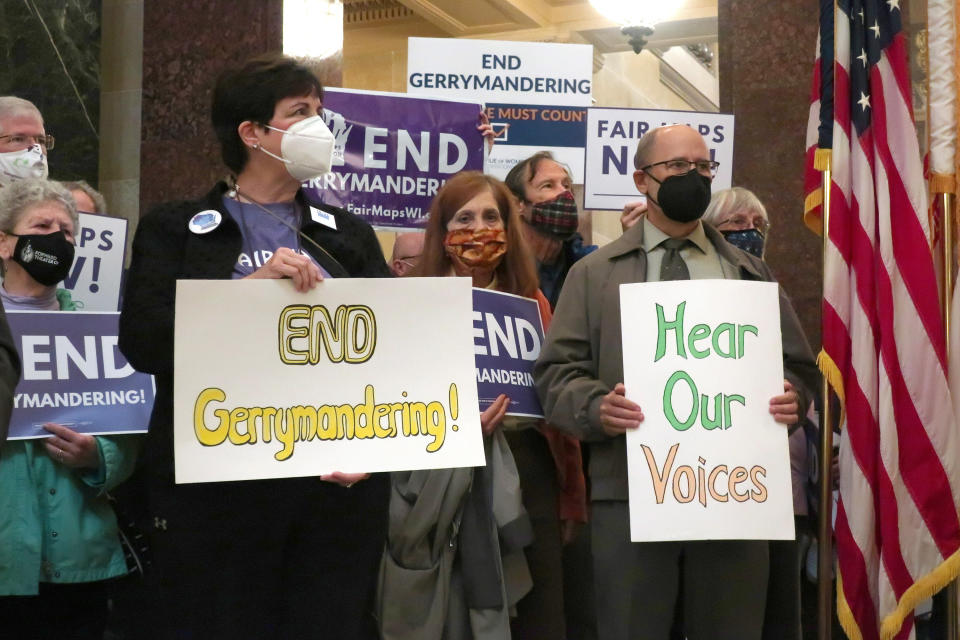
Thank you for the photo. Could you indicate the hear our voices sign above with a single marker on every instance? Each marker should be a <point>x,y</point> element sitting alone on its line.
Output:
<point>703,358</point>
<point>358,375</point>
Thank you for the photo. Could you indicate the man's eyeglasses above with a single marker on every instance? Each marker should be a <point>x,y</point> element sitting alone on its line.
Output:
<point>679,167</point>
<point>18,139</point>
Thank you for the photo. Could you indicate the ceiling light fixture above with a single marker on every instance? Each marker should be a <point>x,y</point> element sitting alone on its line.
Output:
<point>637,18</point>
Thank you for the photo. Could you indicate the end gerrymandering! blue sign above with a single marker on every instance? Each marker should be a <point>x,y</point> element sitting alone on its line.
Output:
<point>394,152</point>
<point>74,375</point>
<point>507,336</point>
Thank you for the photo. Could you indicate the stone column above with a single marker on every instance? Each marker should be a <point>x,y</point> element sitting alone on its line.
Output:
<point>185,47</point>
<point>766,61</point>
<point>121,75</point>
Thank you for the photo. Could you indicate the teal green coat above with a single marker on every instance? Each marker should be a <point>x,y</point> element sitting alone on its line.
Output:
<point>55,523</point>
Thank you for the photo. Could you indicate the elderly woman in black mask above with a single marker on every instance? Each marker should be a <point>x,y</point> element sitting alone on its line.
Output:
<point>739,215</point>
<point>59,542</point>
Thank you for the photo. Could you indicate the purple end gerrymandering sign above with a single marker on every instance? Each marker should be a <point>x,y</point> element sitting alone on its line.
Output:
<point>74,375</point>
<point>507,336</point>
<point>393,152</point>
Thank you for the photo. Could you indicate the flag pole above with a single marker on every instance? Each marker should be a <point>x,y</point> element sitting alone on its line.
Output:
<point>825,534</point>
<point>946,228</point>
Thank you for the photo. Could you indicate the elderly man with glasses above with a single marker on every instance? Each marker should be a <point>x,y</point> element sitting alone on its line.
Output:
<point>23,141</point>
<point>579,378</point>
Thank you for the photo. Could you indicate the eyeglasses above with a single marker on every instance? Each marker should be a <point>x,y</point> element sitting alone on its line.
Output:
<point>743,222</point>
<point>679,167</point>
<point>19,139</point>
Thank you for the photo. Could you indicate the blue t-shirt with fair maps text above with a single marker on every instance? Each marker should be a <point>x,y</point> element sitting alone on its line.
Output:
<point>263,234</point>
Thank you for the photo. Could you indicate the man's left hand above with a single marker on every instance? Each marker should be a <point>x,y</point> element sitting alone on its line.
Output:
<point>785,408</point>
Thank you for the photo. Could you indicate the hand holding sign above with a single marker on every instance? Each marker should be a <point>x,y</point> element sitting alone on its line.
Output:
<point>346,480</point>
<point>617,414</point>
<point>785,408</point>
<point>287,263</point>
<point>486,130</point>
<point>492,416</point>
<point>71,449</point>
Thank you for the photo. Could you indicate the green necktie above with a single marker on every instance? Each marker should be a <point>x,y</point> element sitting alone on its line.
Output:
<point>673,267</point>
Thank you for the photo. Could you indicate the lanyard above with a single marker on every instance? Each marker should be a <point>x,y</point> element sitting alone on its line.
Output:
<point>300,234</point>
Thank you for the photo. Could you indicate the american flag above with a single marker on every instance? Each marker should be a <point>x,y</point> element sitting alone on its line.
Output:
<point>820,123</point>
<point>897,529</point>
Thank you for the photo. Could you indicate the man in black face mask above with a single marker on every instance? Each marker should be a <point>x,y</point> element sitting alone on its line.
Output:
<point>579,378</point>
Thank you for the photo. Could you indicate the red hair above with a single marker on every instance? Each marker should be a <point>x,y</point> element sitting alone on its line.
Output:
<point>517,272</point>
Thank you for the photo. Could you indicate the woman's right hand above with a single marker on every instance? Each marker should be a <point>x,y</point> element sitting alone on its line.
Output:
<point>287,263</point>
<point>491,418</point>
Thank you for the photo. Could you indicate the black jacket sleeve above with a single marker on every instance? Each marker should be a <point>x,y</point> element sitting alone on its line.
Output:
<point>9,374</point>
<point>146,320</point>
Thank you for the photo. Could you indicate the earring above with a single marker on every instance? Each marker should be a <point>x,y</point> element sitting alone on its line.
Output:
<point>256,145</point>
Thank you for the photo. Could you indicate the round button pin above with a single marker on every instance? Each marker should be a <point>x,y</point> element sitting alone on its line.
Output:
<point>205,221</point>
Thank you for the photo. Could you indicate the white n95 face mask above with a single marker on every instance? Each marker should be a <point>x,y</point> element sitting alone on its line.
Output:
<point>22,165</point>
<point>306,148</point>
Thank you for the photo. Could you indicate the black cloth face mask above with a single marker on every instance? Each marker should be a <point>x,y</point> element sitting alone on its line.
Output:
<point>46,258</point>
<point>685,197</point>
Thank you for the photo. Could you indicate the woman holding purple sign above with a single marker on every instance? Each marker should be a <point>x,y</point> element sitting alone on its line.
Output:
<point>474,231</point>
<point>290,558</point>
<point>59,540</point>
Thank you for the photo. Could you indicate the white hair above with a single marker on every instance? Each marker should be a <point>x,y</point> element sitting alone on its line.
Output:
<point>19,196</point>
<point>11,106</point>
<point>729,201</point>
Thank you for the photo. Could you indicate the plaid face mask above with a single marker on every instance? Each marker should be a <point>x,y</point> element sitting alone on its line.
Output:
<point>558,217</point>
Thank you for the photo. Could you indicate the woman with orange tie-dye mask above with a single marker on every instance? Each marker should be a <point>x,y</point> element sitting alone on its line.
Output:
<point>475,231</point>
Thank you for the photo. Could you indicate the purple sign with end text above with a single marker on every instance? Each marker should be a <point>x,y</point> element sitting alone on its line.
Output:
<point>393,152</point>
<point>74,375</point>
<point>507,336</point>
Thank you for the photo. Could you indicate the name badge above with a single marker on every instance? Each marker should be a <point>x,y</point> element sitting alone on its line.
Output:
<point>205,221</point>
<point>322,217</point>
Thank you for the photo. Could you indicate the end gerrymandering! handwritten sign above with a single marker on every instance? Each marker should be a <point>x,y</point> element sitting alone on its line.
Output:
<point>703,358</point>
<point>358,375</point>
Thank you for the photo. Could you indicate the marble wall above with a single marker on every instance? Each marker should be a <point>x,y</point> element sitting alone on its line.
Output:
<point>32,69</point>
<point>185,46</point>
<point>766,60</point>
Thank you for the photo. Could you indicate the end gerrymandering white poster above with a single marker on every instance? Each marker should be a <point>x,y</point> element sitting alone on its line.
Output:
<point>538,73</point>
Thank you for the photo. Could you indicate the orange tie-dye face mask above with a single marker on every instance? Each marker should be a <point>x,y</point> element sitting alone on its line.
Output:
<point>481,249</point>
